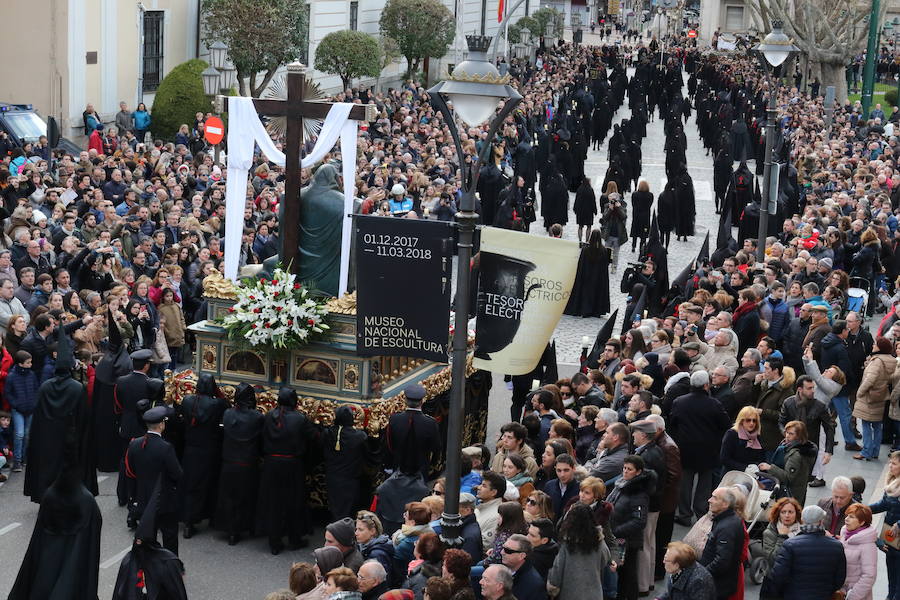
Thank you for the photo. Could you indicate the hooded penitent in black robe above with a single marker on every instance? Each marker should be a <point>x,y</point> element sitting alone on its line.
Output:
<point>61,410</point>
<point>345,453</point>
<point>239,479</point>
<point>202,413</point>
<point>149,571</point>
<point>287,436</point>
<point>115,363</point>
<point>63,557</point>
<point>554,199</point>
<point>590,293</point>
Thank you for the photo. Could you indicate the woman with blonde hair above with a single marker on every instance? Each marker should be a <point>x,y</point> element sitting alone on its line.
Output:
<point>741,445</point>
<point>538,506</point>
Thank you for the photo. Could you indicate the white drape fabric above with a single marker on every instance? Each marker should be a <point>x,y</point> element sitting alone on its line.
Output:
<point>246,130</point>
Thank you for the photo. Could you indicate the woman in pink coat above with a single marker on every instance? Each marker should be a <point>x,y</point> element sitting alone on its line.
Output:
<point>858,537</point>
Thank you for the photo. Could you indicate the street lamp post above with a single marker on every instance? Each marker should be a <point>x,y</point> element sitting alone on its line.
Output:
<point>771,53</point>
<point>475,88</point>
<point>219,76</point>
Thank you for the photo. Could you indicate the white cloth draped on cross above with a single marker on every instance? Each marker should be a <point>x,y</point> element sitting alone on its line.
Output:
<point>245,131</point>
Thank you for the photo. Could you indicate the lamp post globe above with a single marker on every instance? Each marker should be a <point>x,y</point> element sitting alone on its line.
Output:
<point>229,75</point>
<point>210,81</point>
<point>776,47</point>
<point>217,53</point>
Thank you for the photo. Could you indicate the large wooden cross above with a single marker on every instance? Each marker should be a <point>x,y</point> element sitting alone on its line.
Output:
<point>294,109</point>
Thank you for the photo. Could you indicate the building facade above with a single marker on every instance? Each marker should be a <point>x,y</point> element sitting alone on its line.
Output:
<point>96,52</point>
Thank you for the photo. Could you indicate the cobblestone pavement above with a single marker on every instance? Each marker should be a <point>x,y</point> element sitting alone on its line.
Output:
<point>570,330</point>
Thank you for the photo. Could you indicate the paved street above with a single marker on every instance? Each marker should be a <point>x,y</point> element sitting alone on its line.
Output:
<point>248,571</point>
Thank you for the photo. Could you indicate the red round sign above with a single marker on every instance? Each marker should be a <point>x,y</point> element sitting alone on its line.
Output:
<point>214,130</point>
<point>692,33</point>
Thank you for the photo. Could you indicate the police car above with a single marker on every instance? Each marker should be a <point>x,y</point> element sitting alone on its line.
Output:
<point>23,124</point>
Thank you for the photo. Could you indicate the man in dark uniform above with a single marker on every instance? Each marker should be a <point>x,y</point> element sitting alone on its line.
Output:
<point>149,459</point>
<point>129,389</point>
<point>412,436</point>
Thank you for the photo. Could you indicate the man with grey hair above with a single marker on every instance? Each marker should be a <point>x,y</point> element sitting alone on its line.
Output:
<point>527,582</point>
<point>671,484</point>
<point>604,419</point>
<point>496,583</point>
<point>724,544</point>
<point>836,505</point>
<point>471,530</point>
<point>810,564</point>
<point>697,423</point>
<point>372,580</point>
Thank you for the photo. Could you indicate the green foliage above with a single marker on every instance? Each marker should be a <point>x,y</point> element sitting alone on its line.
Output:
<point>890,98</point>
<point>349,54</point>
<point>515,34</point>
<point>532,25</point>
<point>421,28</point>
<point>261,36</point>
<point>179,98</point>
<point>389,50</point>
<point>548,16</point>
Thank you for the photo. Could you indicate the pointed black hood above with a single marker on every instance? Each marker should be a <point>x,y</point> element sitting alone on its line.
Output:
<point>116,361</point>
<point>65,356</point>
<point>604,334</point>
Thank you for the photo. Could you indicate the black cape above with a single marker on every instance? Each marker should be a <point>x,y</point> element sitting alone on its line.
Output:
<point>115,363</point>
<point>63,557</point>
<point>590,293</point>
<point>202,413</point>
<point>62,410</point>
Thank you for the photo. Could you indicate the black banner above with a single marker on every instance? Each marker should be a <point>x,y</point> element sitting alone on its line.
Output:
<point>403,272</point>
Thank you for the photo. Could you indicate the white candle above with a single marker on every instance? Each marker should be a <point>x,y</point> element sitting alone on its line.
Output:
<point>535,384</point>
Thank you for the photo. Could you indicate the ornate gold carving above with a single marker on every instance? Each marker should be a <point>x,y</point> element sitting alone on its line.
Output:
<point>351,376</point>
<point>459,75</point>
<point>209,357</point>
<point>345,305</point>
<point>216,286</point>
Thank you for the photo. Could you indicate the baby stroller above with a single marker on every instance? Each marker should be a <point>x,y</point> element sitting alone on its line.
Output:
<point>759,563</point>
<point>757,498</point>
<point>858,296</point>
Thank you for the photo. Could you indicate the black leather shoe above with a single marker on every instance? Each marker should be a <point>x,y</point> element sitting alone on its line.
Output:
<point>132,523</point>
<point>275,550</point>
<point>233,540</point>
<point>189,531</point>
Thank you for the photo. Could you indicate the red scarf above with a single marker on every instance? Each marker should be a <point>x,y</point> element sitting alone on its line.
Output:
<point>743,309</point>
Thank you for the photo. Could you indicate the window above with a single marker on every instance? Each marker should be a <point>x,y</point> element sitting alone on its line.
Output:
<point>734,18</point>
<point>153,49</point>
<point>354,16</point>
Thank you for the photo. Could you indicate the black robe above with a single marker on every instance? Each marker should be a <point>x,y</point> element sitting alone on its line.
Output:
<point>162,574</point>
<point>202,455</point>
<point>345,453</point>
<point>590,293</point>
<point>239,479</point>
<point>554,201</point>
<point>585,205</point>
<point>62,409</point>
<point>641,203</point>
<point>63,557</point>
<point>115,363</point>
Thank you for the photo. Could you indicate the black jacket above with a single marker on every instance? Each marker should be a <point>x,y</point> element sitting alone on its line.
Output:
<point>722,552</point>
<point>150,458</point>
<point>412,438</point>
<point>129,390</point>
<point>834,353</point>
<point>697,423</point>
<point>542,557</point>
<point>471,535</point>
<point>631,501</point>
<point>655,459</point>
<point>810,566</point>
<point>814,415</point>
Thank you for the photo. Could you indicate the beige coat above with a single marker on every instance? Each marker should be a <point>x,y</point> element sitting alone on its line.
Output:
<point>531,465</point>
<point>174,326</point>
<point>873,390</point>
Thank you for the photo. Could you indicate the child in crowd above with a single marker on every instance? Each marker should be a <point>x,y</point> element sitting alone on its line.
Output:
<point>21,393</point>
<point>6,442</point>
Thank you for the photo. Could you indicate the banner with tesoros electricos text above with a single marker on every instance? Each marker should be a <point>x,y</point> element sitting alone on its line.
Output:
<point>524,285</point>
<point>403,276</point>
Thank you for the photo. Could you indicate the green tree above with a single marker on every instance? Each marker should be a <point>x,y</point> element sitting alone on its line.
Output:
<point>548,16</point>
<point>421,28</point>
<point>261,36</point>
<point>179,98</point>
<point>349,54</point>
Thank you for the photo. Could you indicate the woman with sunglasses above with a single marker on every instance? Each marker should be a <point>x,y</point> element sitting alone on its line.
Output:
<point>538,506</point>
<point>371,541</point>
<point>741,445</point>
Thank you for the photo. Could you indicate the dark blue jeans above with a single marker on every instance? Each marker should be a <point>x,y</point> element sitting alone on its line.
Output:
<point>841,406</point>
<point>892,561</point>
